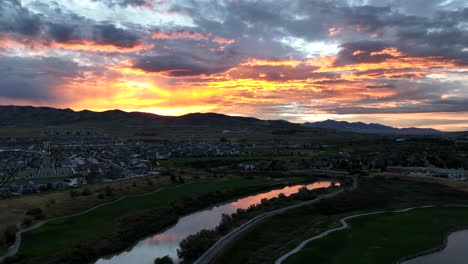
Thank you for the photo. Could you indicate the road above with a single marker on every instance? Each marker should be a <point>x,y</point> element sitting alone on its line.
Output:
<point>219,246</point>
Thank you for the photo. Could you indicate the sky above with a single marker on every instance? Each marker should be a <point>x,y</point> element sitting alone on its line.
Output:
<point>397,62</point>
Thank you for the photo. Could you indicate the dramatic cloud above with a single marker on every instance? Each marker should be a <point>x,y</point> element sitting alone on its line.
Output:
<point>35,79</point>
<point>373,60</point>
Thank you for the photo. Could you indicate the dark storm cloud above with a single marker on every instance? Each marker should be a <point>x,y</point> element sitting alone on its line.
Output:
<point>361,52</point>
<point>34,78</point>
<point>17,19</point>
<point>109,34</point>
<point>178,66</point>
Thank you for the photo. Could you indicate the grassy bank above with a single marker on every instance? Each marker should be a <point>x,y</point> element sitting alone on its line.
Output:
<point>384,238</point>
<point>112,226</point>
<point>279,234</point>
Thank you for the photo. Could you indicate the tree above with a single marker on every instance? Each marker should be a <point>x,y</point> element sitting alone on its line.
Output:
<point>164,260</point>
<point>194,246</point>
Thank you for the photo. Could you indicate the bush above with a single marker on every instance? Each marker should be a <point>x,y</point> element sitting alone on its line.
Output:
<point>74,193</point>
<point>35,212</point>
<point>27,221</point>
<point>108,191</point>
<point>164,260</point>
<point>194,246</point>
<point>86,192</point>
<point>10,234</point>
<point>173,178</point>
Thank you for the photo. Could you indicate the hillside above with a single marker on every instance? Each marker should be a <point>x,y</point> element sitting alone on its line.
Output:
<point>360,127</point>
<point>28,116</point>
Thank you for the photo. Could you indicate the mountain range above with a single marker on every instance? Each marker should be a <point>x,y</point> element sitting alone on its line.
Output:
<point>29,116</point>
<point>372,128</point>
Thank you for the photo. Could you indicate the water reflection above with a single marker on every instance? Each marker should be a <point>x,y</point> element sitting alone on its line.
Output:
<point>455,253</point>
<point>167,243</point>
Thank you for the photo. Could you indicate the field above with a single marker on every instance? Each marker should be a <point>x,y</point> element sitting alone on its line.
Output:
<point>371,237</point>
<point>66,233</point>
<point>59,203</point>
<point>279,234</point>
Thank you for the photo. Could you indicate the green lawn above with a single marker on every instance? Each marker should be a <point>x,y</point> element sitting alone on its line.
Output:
<point>277,235</point>
<point>65,233</point>
<point>384,238</point>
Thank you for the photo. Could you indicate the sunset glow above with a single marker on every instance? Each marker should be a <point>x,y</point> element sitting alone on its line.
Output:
<point>393,64</point>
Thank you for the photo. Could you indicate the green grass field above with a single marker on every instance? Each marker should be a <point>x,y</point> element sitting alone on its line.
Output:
<point>384,238</point>
<point>64,233</point>
<point>277,235</point>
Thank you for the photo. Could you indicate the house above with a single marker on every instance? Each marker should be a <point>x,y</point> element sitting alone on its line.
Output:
<point>247,166</point>
<point>429,171</point>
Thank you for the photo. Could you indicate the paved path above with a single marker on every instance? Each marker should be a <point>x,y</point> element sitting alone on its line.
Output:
<point>345,225</point>
<point>13,249</point>
<point>224,241</point>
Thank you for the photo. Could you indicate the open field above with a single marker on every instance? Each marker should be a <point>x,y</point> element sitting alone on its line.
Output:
<point>279,234</point>
<point>59,203</point>
<point>384,238</point>
<point>66,233</point>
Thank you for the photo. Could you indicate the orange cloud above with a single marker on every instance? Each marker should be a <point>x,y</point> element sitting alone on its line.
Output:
<point>223,41</point>
<point>9,42</point>
<point>92,46</point>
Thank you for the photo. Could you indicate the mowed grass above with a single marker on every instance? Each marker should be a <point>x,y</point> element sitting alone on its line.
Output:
<point>275,236</point>
<point>384,238</point>
<point>60,234</point>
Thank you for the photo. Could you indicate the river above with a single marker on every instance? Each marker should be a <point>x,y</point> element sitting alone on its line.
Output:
<point>167,242</point>
<point>454,253</point>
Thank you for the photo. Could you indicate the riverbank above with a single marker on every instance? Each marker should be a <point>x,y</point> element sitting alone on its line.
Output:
<point>115,226</point>
<point>276,236</point>
<point>383,236</point>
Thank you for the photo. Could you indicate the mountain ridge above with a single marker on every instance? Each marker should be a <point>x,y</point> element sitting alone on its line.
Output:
<point>48,116</point>
<point>371,128</point>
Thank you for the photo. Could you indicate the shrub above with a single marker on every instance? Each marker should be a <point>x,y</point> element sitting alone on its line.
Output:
<point>35,212</point>
<point>195,245</point>
<point>108,191</point>
<point>74,193</point>
<point>86,192</point>
<point>10,234</point>
<point>164,260</point>
<point>27,221</point>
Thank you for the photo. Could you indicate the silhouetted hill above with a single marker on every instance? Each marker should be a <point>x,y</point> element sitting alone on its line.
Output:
<point>360,127</point>
<point>46,116</point>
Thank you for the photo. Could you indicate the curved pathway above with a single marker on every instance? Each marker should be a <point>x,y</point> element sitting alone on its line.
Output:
<point>345,225</point>
<point>13,249</point>
<point>214,250</point>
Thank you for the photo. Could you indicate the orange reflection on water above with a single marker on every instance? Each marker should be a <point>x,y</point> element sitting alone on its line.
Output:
<point>165,237</point>
<point>287,191</point>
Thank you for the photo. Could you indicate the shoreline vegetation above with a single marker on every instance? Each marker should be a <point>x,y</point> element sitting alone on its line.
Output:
<point>197,244</point>
<point>88,237</point>
<point>275,236</point>
<point>408,232</point>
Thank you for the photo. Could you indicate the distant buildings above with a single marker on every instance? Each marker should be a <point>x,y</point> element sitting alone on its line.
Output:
<point>458,174</point>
